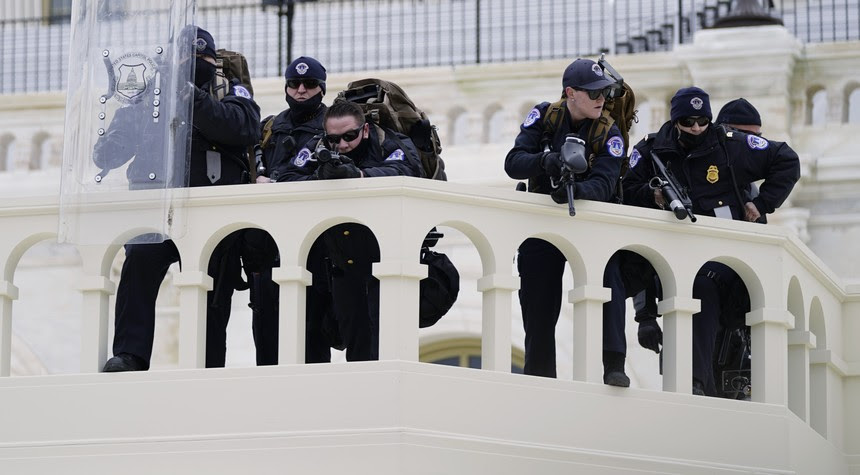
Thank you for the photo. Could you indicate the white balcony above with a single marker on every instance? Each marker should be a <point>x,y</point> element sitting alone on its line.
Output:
<point>399,416</point>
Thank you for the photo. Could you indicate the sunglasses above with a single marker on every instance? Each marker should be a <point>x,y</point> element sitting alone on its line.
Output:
<point>689,121</point>
<point>595,94</point>
<point>348,136</point>
<point>308,83</point>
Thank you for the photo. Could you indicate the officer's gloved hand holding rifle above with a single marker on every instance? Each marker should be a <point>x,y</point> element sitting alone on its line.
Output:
<point>564,166</point>
<point>333,165</point>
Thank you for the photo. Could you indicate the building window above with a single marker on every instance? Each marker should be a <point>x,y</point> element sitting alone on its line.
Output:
<point>464,352</point>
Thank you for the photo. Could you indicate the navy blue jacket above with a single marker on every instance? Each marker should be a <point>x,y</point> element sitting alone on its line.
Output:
<point>394,155</point>
<point>281,149</point>
<point>230,127</point>
<point>597,183</point>
<point>706,171</point>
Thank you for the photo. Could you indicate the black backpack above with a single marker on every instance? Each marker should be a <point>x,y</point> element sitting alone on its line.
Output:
<point>385,104</point>
<point>439,289</point>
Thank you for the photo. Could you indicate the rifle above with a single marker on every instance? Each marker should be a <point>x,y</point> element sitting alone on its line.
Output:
<point>573,161</point>
<point>679,202</point>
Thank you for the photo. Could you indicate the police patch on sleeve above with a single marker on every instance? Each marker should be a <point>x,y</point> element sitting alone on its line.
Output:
<point>756,143</point>
<point>302,157</point>
<point>240,91</point>
<point>396,155</point>
<point>533,116</point>
<point>634,158</point>
<point>615,146</point>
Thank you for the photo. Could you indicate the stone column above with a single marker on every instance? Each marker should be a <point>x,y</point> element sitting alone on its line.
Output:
<point>769,333</point>
<point>8,293</point>
<point>398,308</point>
<point>293,282</point>
<point>95,292</point>
<point>799,344</point>
<point>588,303</point>
<point>678,342</point>
<point>497,292</point>
<point>192,286</point>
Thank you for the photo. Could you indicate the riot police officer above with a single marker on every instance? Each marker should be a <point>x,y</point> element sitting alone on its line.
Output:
<point>223,130</point>
<point>715,166</point>
<point>350,148</point>
<point>536,157</point>
<point>284,137</point>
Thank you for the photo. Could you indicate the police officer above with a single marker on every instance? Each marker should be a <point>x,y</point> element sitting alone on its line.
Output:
<point>535,156</point>
<point>715,166</point>
<point>284,137</point>
<point>223,130</point>
<point>739,114</point>
<point>351,148</point>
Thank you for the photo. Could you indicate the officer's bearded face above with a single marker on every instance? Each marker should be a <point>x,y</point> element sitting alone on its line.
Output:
<point>345,128</point>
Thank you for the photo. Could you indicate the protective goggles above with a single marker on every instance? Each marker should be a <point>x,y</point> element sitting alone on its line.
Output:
<point>348,136</point>
<point>593,95</point>
<point>308,83</point>
<point>689,121</point>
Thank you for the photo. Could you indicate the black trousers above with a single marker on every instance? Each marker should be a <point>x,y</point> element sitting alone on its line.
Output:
<point>143,271</point>
<point>541,267</point>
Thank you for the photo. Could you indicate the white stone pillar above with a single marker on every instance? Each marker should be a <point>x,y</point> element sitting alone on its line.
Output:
<point>497,292</point>
<point>799,344</point>
<point>769,334</point>
<point>8,293</point>
<point>678,342</point>
<point>192,286</point>
<point>293,282</point>
<point>399,292</point>
<point>95,292</point>
<point>588,303</point>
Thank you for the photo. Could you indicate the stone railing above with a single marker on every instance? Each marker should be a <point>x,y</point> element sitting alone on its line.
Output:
<point>802,317</point>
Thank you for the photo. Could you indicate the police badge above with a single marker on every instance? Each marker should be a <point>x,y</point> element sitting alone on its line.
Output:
<point>713,174</point>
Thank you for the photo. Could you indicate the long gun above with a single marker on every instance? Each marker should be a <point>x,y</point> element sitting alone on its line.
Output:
<point>679,202</point>
<point>573,161</point>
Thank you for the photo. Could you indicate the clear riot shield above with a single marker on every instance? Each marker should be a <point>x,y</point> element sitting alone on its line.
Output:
<point>128,121</point>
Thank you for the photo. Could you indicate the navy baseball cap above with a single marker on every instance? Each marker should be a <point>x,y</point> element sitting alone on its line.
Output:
<point>739,112</point>
<point>205,44</point>
<point>690,102</point>
<point>585,74</point>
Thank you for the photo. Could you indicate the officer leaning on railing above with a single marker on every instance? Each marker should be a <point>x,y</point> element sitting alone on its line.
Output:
<point>715,166</point>
<point>536,156</point>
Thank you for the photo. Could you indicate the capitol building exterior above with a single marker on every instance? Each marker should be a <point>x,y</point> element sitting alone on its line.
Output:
<point>472,412</point>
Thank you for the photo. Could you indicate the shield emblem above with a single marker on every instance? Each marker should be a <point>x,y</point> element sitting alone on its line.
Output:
<point>132,80</point>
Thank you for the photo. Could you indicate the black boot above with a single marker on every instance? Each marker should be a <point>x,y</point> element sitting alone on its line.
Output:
<point>613,369</point>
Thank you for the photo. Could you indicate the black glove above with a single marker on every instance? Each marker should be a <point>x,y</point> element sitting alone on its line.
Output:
<point>199,94</point>
<point>650,335</point>
<point>559,195</point>
<point>551,164</point>
<point>334,172</point>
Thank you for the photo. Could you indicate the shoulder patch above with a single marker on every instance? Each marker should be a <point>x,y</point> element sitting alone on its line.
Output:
<point>240,91</point>
<point>302,157</point>
<point>757,143</point>
<point>615,146</point>
<point>396,155</point>
<point>533,117</point>
<point>634,158</point>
